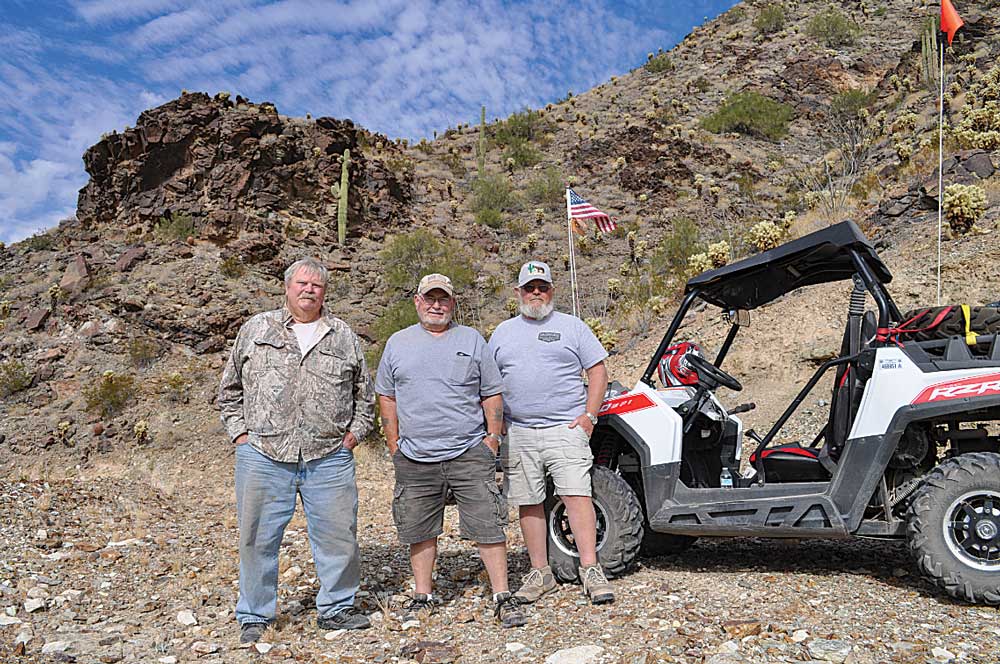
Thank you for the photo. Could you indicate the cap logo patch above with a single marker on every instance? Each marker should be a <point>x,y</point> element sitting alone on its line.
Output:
<point>532,268</point>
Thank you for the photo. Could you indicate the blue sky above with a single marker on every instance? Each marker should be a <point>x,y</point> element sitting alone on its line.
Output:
<point>71,70</point>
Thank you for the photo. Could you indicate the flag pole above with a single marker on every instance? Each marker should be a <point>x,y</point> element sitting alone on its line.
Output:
<point>572,257</point>
<point>940,169</point>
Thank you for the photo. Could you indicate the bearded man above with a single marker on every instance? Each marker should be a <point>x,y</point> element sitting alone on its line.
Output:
<point>549,415</point>
<point>295,399</point>
<point>442,412</point>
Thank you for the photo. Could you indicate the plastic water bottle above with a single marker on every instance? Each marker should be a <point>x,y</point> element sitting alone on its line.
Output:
<point>726,478</point>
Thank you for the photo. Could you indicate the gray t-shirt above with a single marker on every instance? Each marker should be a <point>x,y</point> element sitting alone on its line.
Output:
<point>541,362</point>
<point>438,383</point>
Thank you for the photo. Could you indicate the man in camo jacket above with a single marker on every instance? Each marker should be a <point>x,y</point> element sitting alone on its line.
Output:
<point>296,398</point>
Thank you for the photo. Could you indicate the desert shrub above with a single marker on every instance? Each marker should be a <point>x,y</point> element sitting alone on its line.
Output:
<point>735,15</point>
<point>176,227</point>
<point>400,165</point>
<point>846,104</point>
<point>750,113</point>
<point>410,256</point>
<point>526,125</point>
<point>831,28</point>
<point>770,19</point>
<point>659,63</point>
<point>39,242</point>
<point>521,153</point>
<point>963,206</point>
<point>671,257</point>
<point>13,378</point>
<point>232,268</point>
<point>142,352</point>
<point>175,387</point>
<point>548,189</point>
<point>701,84</point>
<point>109,396</point>
<point>455,164</point>
<point>492,195</point>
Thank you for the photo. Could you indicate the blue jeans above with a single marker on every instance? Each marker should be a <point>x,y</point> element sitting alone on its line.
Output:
<point>266,491</point>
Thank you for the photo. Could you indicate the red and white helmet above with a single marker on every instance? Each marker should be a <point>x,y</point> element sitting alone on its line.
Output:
<point>674,369</point>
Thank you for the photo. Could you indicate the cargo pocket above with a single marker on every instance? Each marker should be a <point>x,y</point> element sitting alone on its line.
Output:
<point>499,503</point>
<point>398,506</point>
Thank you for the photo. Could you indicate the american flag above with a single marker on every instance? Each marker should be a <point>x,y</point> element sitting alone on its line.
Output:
<point>581,209</point>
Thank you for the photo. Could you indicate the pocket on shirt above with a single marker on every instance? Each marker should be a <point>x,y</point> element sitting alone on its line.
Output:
<point>461,368</point>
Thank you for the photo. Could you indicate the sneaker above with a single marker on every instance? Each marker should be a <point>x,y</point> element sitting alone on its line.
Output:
<point>252,632</point>
<point>535,584</point>
<point>596,586</point>
<point>349,618</point>
<point>421,604</point>
<point>507,611</point>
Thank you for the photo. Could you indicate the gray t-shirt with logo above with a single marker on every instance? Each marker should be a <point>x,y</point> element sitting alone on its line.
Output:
<point>541,362</point>
<point>438,383</point>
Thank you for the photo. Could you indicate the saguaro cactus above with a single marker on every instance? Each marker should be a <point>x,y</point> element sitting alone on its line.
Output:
<point>929,54</point>
<point>342,203</point>
<point>481,145</point>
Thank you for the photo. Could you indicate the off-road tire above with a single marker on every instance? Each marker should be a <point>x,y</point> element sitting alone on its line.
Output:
<point>622,527</point>
<point>936,542</point>
<point>983,320</point>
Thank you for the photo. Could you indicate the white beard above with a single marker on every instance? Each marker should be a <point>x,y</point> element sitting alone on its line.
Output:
<point>425,320</point>
<point>537,311</point>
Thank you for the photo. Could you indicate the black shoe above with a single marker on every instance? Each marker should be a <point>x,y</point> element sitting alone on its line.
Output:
<point>252,632</point>
<point>421,604</point>
<point>508,610</point>
<point>348,618</point>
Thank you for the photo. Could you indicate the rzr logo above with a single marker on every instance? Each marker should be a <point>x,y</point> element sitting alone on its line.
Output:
<point>978,386</point>
<point>626,404</point>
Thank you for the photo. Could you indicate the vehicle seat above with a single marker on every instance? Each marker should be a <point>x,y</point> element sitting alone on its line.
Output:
<point>844,402</point>
<point>791,463</point>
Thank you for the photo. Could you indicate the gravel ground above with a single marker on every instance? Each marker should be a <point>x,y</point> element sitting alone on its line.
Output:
<point>108,570</point>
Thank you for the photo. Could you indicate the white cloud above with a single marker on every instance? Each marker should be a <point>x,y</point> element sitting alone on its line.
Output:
<point>402,67</point>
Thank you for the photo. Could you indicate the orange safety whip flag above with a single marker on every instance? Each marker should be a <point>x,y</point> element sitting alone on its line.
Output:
<point>950,20</point>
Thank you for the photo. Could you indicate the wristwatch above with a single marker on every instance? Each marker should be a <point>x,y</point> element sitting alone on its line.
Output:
<point>592,418</point>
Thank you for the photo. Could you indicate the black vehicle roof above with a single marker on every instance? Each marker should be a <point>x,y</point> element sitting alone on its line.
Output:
<point>816,258</point>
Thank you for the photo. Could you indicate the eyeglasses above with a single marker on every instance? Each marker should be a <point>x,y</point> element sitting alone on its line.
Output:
<point>541,288</point>
<point>440,301</point>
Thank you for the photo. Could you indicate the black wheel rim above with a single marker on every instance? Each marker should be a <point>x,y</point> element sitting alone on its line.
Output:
<point>972,529</point>
<point>562,535</point>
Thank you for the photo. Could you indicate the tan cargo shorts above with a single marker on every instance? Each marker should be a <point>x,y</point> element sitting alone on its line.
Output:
<point>558,451</point>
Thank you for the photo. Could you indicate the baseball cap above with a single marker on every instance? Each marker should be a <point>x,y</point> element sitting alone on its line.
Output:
<point>533,270</point>
<point>435,280</point>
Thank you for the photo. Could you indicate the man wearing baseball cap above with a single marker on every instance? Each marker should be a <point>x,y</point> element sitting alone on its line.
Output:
<point>440,395</point>
<point>550,415</point>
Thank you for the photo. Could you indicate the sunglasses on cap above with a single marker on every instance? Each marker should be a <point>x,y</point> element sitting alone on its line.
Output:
<point>541,288</point>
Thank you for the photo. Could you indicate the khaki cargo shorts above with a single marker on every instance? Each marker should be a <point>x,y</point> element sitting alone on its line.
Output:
<point>558,451</point>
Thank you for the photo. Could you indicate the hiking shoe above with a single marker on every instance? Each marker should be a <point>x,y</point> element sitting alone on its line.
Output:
<point>596,586</point>
<point>535,584</point>
<point>349,618</point>
<point>507,610</point>
<point>252,632</point>
<point>421,604</point>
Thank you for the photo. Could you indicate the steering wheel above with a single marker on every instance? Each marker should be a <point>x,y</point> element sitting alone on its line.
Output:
<point>713,373</point>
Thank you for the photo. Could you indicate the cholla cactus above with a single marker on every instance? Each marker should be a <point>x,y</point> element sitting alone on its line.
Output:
<point>141,431</point>
<point>512,307</point>
<point>614,288</point>
<point>619,163</point>
<point>607,338</point>
<point>718,253</point>
<point>963,206</point>
<point>765,235</point>
<point>698,263</point>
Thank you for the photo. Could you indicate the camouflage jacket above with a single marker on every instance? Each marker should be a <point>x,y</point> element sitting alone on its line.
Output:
<point>286,403</point>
